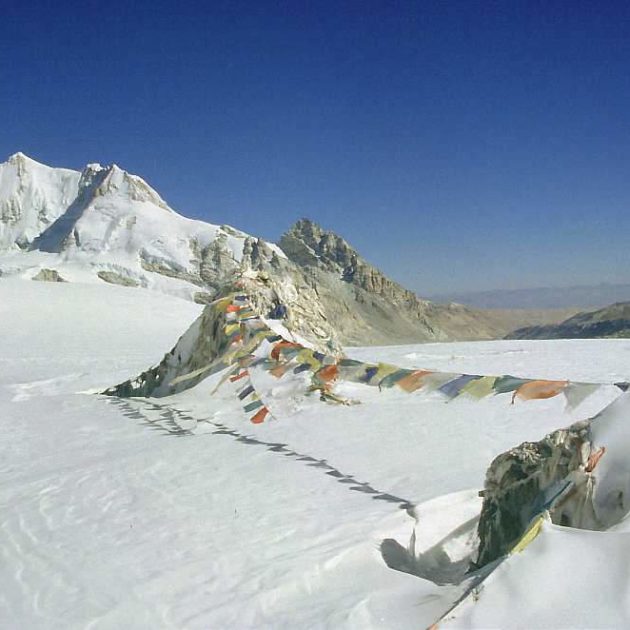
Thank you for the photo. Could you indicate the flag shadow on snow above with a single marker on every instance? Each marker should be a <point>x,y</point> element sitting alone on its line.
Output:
<point>176,423</point>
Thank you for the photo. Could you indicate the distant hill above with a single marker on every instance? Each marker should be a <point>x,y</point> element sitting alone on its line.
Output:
<point>582,297</point>
<point>610,322</point>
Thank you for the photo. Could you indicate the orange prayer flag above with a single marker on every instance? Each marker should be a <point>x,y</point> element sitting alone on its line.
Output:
<point>328,373</point>
<point>539,390</point>
<point>279,370</point>
<point>260,416</point>
<point>238,377</point>
<point>233,308</point>
<point>594,459</point>
<point>413,381</point>
<point>277,349</point>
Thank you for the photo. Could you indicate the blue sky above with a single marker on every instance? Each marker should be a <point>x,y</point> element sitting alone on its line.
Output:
<point>458,145</point>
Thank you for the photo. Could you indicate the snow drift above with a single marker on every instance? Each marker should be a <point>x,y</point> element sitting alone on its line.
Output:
<point>270,367</point>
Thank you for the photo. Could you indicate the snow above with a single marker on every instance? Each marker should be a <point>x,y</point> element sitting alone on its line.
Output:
<point>590,361</point>
<point>102,219</point>
<point>46,192</point>
<point>612,490</point>
<point>178,512</point>
<point>566,578</point>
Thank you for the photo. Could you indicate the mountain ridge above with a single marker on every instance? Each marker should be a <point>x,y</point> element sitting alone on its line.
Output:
<point>105,220</point>
<point>610,322</point>
<point>365,303</point>
<point>308,244</point>
<point>103,224</point>
<point>579,297</point>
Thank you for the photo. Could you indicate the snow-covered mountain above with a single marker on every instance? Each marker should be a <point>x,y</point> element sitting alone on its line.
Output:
<point>32,196</point>
<point>106,224</point>
<point>300,498</point>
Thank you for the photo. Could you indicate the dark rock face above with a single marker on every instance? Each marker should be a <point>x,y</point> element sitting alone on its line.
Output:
<point>215,261</point>
<point>202,297</point>
<point>116,278</point>
<point>611,321</point>
<point>308,245</point>
<point>365,305</point>
<point>550,474</point>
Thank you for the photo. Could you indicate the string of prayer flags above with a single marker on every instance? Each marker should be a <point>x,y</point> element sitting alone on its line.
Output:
<point>454,388</point>
<point>245,331</point>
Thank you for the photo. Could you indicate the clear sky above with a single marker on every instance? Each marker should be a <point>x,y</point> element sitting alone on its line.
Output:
<point>457,145</point>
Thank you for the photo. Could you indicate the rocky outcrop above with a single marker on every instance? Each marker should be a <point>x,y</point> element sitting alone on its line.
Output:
<point>367,306</point>
<point>203,348</point>
<point>48,275</point>
<point>201,345</point>
<point>308,245</point>
<point>116,278</point>
<point>609,322</point>
<point>163,268</point>
<point>215,262</point>
<point>202,297</point>
<point>554,474</point>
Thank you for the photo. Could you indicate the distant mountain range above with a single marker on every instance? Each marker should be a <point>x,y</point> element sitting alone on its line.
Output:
<point>582,297</point>
<point>609,322</point>
<point>103,224</point>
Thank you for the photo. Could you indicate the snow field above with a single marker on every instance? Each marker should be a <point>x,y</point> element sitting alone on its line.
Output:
<point>178,513</point>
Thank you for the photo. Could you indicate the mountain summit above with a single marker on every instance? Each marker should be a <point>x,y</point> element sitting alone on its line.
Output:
<point>108,224</point>
<point>365,304</point>
<point>103,224</point>
<point>308,245</point>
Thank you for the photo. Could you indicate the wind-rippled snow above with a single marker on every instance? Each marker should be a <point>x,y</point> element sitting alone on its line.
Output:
<point>178,513</point>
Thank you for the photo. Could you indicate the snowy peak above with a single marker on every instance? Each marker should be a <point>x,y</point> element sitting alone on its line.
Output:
<point>117,181</point>
<point>23,162</point>
<point>19,160</point>
<point>56,237</point>
<point>32,196</point>
<point>106,224</point>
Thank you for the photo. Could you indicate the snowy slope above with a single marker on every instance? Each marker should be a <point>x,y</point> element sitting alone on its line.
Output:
<point>179,513</point>
<point>32,196</point>
<point>568,577</point>
<point>110,523</point>
<point>110,221</point>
